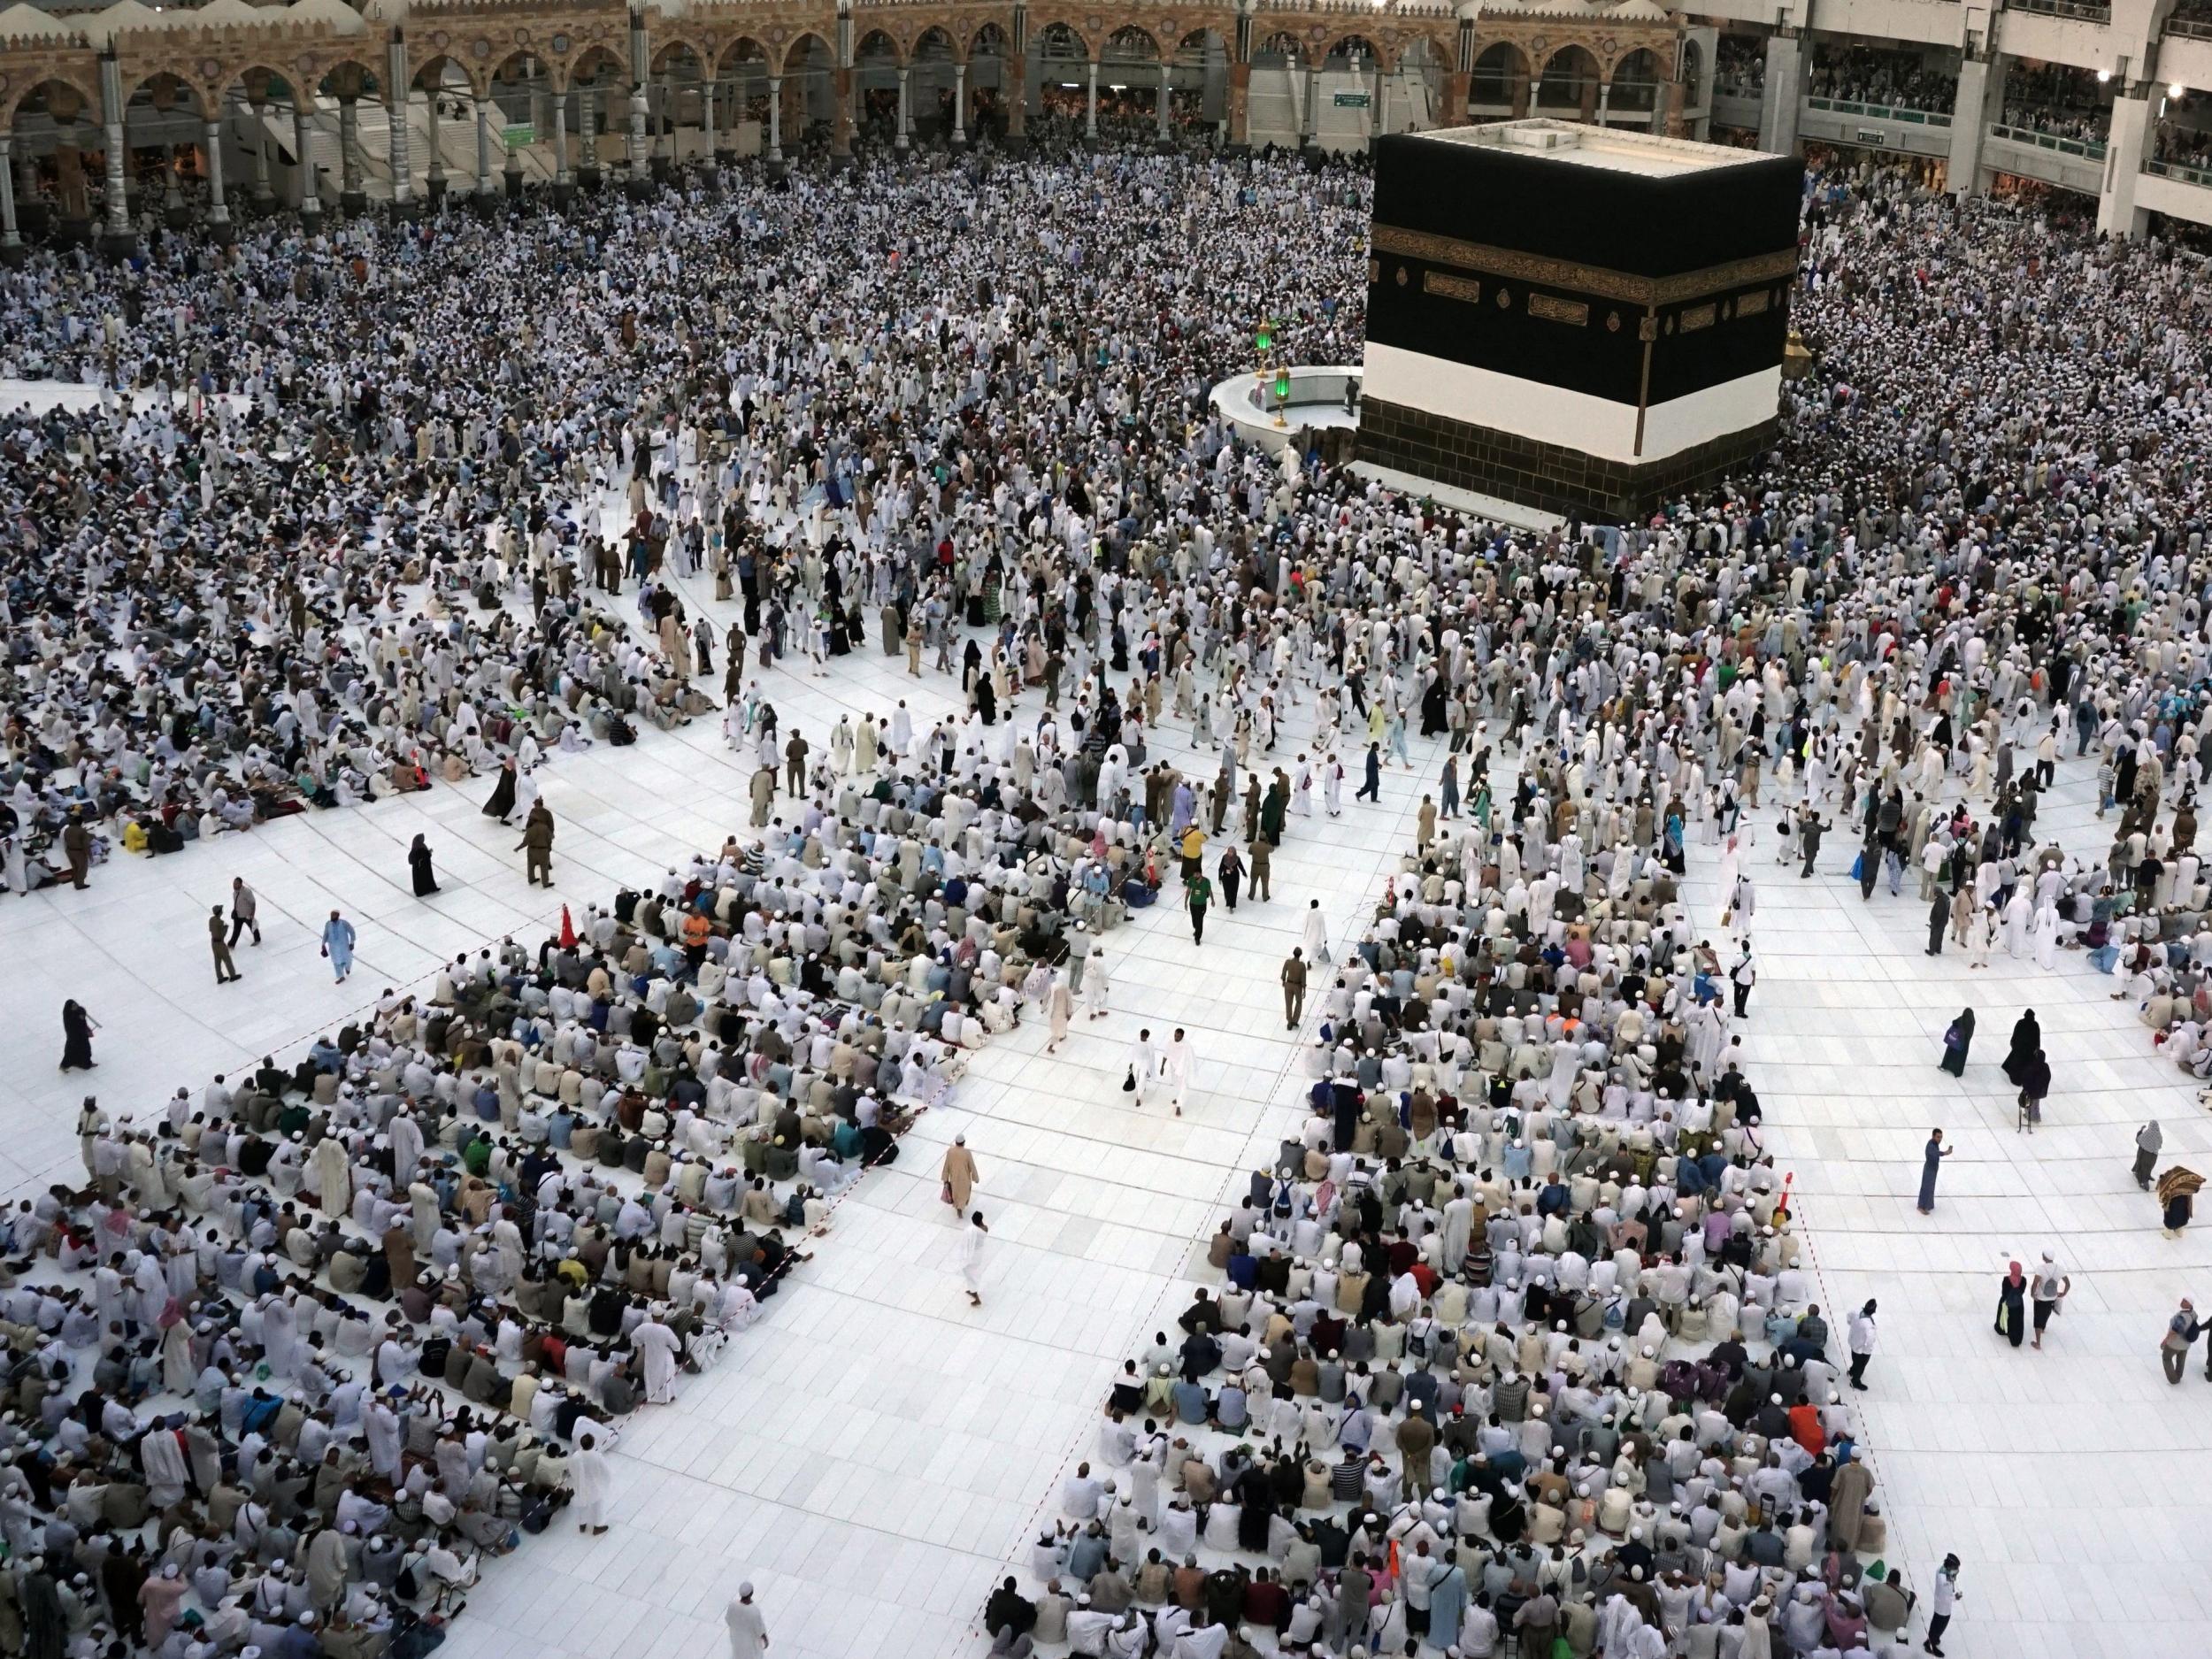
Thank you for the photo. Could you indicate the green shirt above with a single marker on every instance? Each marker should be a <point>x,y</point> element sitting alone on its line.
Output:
<point>1198,893</point>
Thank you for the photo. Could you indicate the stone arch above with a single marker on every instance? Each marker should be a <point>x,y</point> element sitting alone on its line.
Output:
<point>1500,66</point>
<point>520,59</point>
<point>801,47</point>
<point>940,44</point>
<point>1568,86</point>
<point>1443,52</point>
<point>239,74</point>
<point>664,48</point>
<point>185,87</point>
<point>742,49</point>
<point>584,68</point>
<point>1632,85</point>
<point>987,34</point>
<point>1351,41</point>
<point>372,75</point>
<point>1060,35</point>
<point>1283,43</point>
<point>429,74</point>
<point>873,37</point>
<point>1132,43</point>
<point>1693,71</point>
<point>88,93</point>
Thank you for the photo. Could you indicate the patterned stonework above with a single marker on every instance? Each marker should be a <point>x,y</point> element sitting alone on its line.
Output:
<point>569,40</point>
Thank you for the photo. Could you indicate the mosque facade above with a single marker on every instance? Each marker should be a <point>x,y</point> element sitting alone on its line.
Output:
<point>211,109</point>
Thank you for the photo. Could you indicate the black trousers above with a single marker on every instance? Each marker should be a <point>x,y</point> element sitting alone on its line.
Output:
<point>1858,1367</point>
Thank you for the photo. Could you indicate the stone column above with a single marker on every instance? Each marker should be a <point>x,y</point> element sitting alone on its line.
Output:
<point>1981,88</point>
<point>775,122</point>
<point>959,106</point>
<point>511,159</point>
<point>1785,90</point>
<point>433,179</point>
<point>72,199</point>
<point>634,145</point>
<point>311,202</point>
<point>1309,117</point>
<point>264,195</point>
<point>399,100</point>
<point>904,139</point>
<point>2127,148</point>
<point>217,211</point>
<point>174,214</point>
<point>12,249</point>
<point>1461,77</point>
<point>1013,81</point>
<point>842,121</point>
<point>115,239</point>
<point>665,136</point>
<point>1239,106</point>
<point>587,138</point>
<point>30,205</point>
<point>1160,107</point>
<point>1381,123</point>
<point>1605,101</point>
<point>1090,105</point>
<point>845,88</point>
<point>564,179</point>
<point>485,188</point>
<point>712,170</point>
<point>351,197</point>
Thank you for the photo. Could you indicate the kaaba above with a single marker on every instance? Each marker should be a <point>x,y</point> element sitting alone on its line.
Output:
<point>1576,318</point>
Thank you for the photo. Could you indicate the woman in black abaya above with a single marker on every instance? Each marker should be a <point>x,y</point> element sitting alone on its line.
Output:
<point>77,1027</point>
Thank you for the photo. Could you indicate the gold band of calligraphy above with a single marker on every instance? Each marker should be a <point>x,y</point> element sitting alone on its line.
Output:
<point>1584,279</point>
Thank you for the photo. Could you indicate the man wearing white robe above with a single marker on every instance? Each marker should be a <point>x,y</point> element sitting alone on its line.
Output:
<point>657,1346</point>
<point>333,1175</point>
<point>592,1483</point>
<point>406,1148</point>
<point>749,1631</point>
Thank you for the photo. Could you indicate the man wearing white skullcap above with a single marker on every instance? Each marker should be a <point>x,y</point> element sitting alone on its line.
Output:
<point>749,1633</point>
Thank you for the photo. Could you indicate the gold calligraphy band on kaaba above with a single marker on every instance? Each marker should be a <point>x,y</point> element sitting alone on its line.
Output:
<point>1452,287</point>
<point>1584,279</point>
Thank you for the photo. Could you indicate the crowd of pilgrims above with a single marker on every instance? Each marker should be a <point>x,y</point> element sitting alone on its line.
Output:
<point>367,515</point>
<point>374,515</point>
<point>1514,1350</point>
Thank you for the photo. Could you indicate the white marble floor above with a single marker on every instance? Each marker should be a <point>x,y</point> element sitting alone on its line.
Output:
<point>873,1451</point>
